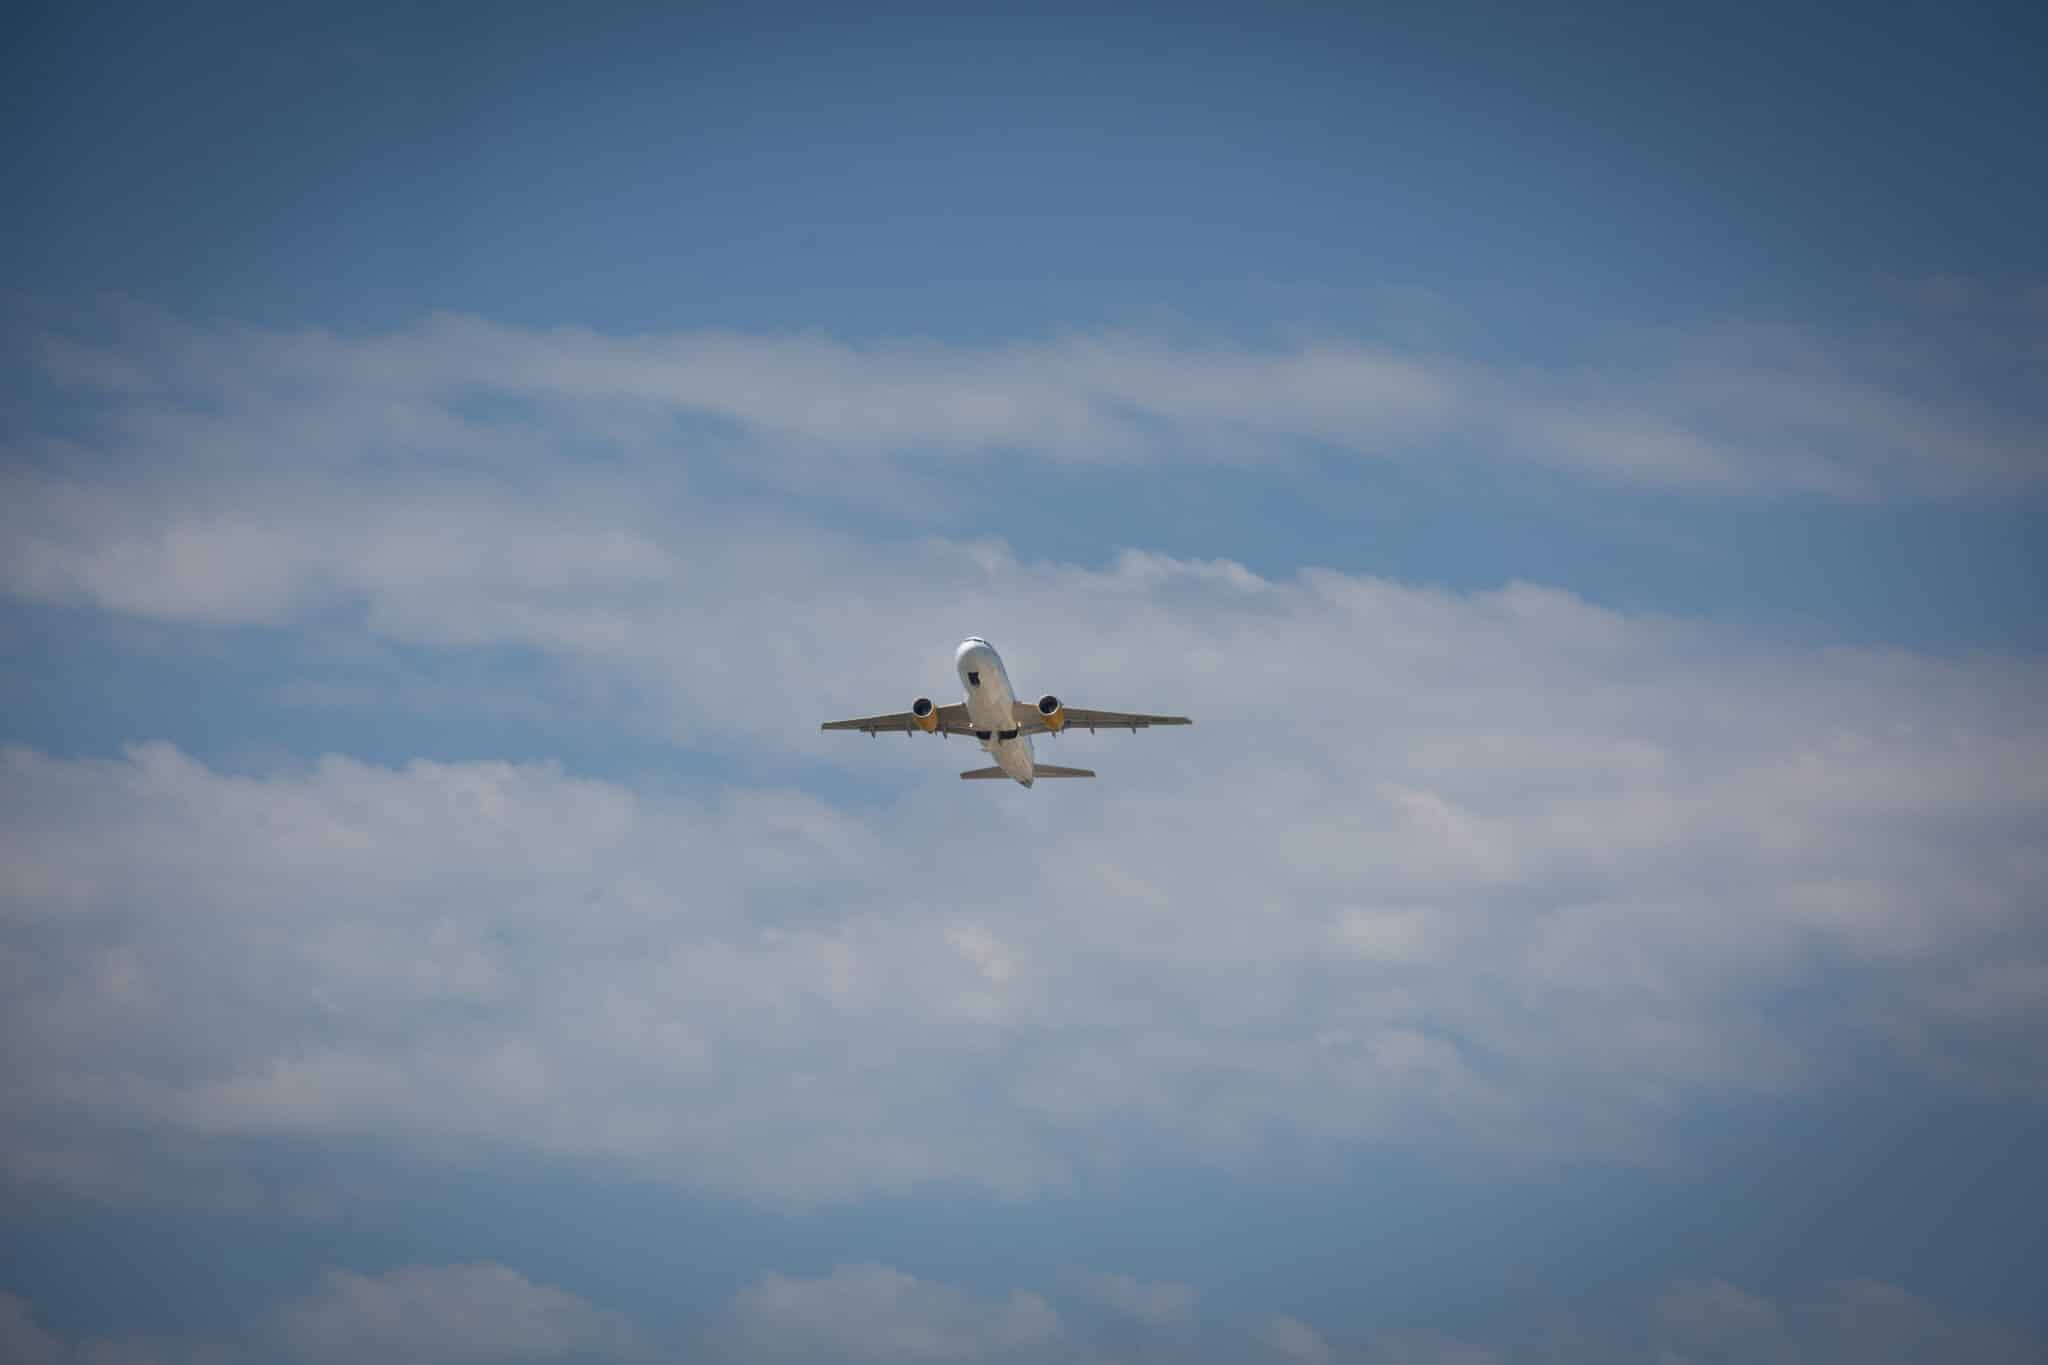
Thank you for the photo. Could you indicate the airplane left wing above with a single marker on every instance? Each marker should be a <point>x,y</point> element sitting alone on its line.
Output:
<point>1030,722</point>
<point>950,720</point>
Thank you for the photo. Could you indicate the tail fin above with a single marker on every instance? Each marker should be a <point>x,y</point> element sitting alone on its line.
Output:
<point>984,774</point>
<point>1048,770</point>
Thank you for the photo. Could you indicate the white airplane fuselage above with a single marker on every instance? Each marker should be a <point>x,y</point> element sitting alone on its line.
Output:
<point>991,705</point>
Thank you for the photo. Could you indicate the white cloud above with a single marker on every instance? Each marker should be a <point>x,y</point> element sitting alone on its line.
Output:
<point>1157,1303</point>
<point>1296,1340</point>
<point>432,1314</point>
<point>24,1342</point>
<point>1723,409</point>
<point>1431,1348</point>
<point>1851,1322</point>
<point>21,1340</point>
<point>1711,1310</point>
<point>1492,872</point>
<point>873,1312</point>
<point>1701,1322</point>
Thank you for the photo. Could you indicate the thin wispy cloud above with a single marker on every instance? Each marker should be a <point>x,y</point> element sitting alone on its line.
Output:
<point>1721,409</point>
<point>1292,1339</point>
<point>874,1312</point>
<point>1158,1303</point>
<point>430,1314</point>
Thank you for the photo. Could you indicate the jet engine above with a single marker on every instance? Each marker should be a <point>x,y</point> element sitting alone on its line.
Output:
<point>921,711</point>
<point>1054,714</point>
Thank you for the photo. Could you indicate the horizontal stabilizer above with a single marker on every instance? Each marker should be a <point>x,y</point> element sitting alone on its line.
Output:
<point>1048,770</point>
<point>984,774</point>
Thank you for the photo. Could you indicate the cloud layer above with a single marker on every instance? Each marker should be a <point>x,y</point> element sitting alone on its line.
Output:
<point>1502,876</point>
<point>1500,871</point>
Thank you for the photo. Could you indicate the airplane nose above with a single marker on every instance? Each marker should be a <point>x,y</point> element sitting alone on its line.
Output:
<point>974,660</point>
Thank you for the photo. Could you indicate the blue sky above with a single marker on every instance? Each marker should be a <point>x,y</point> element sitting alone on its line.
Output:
<point>1582,472</point>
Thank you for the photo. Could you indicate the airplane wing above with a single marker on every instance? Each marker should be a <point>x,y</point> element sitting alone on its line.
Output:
<point>1029,722</point>
<point>951,720</point>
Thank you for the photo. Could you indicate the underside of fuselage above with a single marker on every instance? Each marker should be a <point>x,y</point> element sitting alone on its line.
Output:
<point>991,706</point>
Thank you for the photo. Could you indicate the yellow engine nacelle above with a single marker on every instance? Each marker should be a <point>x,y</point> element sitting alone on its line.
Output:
<point>1052,713</point>
<point>923,713</point>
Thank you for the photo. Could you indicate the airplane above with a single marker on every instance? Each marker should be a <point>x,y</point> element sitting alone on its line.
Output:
<point>993,715</point>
